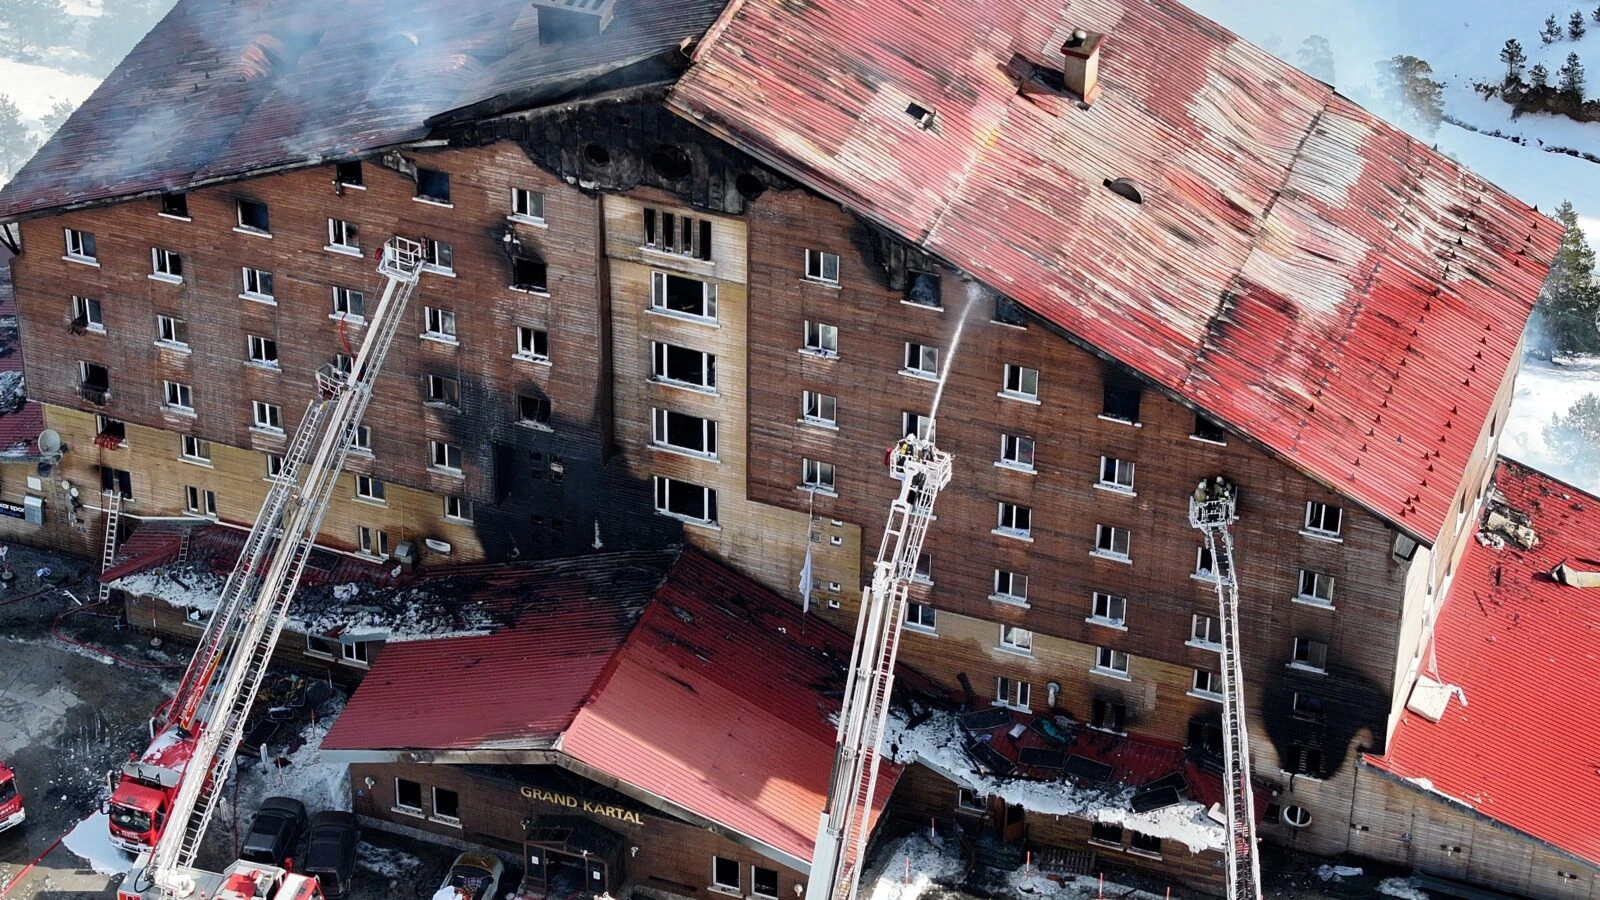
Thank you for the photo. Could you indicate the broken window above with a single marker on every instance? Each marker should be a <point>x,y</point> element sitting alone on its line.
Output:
<point>686,296</point>
<point>111,430</point>
<point>257,284</point>
<point>1316,588</point>
<point>442,390</point>
<point>1106,833</point>
<point>438,256</point>
<point>372,541</point>
<point>1207,430</point>
<point>319,646</point>
<point>408,795</point>
<point>253,217</point>
<point>1304,760</point>
<point>533,343</point>
<point>823,267</point>
<point>533,410</point>
<point>86,315</point>
<point>1204,630</point>
<point>1016,452</point>
<point>1109,610</point>
<point>968,799</point>
<point>1140,842</point>
<point>439,324</point>
<point>1206,682</point>
<point>1007,312</point>
<point>920,616</point>
<point>433,185</point>
<point>917,424</point>
<point>923,572</point>
<point>764,882</point>
<point>95,382</point>
<point>266,416</point>
<point>922,360</point>
<point>80,245</point>
<point>274,465</point>
<point>200,502</point>
<point>684,500</point>
<point>816,475</point>
<point>1111,541</point>
<point>1011,693</point>
<point>458,508</point>
<point>178,396</point>
<point>677,233</point>
<point>1309,654</point>
<point>922,289</point>
<point>263,351</point>
<point>822,339</point>
<point>173,331</point>
<point>165,265</point>
<point>1014,520</point>
<point>194,449</point>
<point>348,304</point>
<point>361,440</point>
<point>369,488</point>
<point>347,173</point>
<point>446,804</point>
<point>175,205</point>
<point>724,873</point>
<point>1116,474</point>
<point>1017,639</point>
<point>1109,661</point>
<point>343,235</point>
<point>681,431</point>
<point>526,204</point>
<point>1021,382</point>
<point>1205,568</point>
<point>1308,706</point>
<point>118,480</point>
<point>1010,587</point>
<point>444,455</point>
<point>819,409</point>
<point>1108,715</point>
<point>528,274</point>
<point>1322,520</point>
<point>1121,400</point>
<point>344,362</point>
<point>682,366</point>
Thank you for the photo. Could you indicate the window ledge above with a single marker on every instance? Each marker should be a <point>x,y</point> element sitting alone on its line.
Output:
<point>1015,651</point>
<point>818,423</point>
<point>82,260</point>
<point>442,404</point>
<point>446,821</point>
<point>1011,706</point>
<point>1020,398</point>
<point>1203,645</point>
<point>1205,440</point>
<point>1015,325</point>
<point>1114,488</point>
<point>530,358</point>
<point>819,353</point>
<point>1112,557</point>
<point>1321,536</point>
<point>1015,467</point>
<point>457,520</point>
<point>174,217</point>
<point>405,810</point>
<point>185,411</point>
<point>730,891</point>
<point>698,523</point>
<point>363,452</point>
<point>1107,623</point>
<point>1011,600</point>
<point>697,319</point>
<point>442,470</point>
<point>1309,670</point>
<point>253,232</point>
<point>263,366</point>
<point>926,306</point>
<point>267,431</point>
<point>373,557</point>
<point>267,299</point>
<point>95,328</point>
<point>1109,673</point>
<point>437,338</point>
<point>1208,579</point>
<point>1013,534</point>
<point>817,490</point>
<point>162,276</point>
<point>174,347</point>
<point>1130,423</point>
<point>920,374</point>
<point>328,656</point>
<point>536,426</point>
<point>342,249</point>
<point>350,187</point>
<point>434,201</point>
<point>196,461</point>
<point>1314,602</point>
<point>527,220</point>
<point>1205,695</point>
<point>529,289</point>
<point>919,628</point>
<point>435,269</point>
<point>371,501</point>
<point>356,663</point>
<point>918,580</point>
<point>353,321</point>
<point>1144,853</point>
<point>684,386</point>
<point>1095,842</point>
<point>830,285</point>
<point>681,451</point>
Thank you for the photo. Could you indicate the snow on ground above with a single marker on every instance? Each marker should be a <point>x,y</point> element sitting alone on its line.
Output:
<point>940,742</point>
<point>90,840</point>
<point>303,774</point>
<point>1543,391</point>
<point>908,868</point>
<point>1401,887</point>
<point>387,862</point>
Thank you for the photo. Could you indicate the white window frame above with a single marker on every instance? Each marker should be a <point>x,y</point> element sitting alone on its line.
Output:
<point>361,440</point>
<point>1308,665</point>
<point>1121,472</point>
<point>177,396</point>
<point>821,339</point>
<point>355,653</point>
<point>660,352</point>
<point>1110,662</point>
<point>431,253</point>
<point>321,647</point>
<point>194,450</point>
<point>1205,573</point>
<point>660,418</point>
<point>439,324</point>
<point>266,416</point>
<point>457,509</point>
<point>373,543</point>
<point>1013,520</point>
<point>664,488</point>
<point>274,465</point>
<point>439,454</point>
<point>1317,515</point>
<point>257,346</point>
<point>167,328</point>
<point>76,245</point>
<point>917,368</point>
<point>818,476</point>
<point>1011,453</point>
<point>401,807</point>
<point>920,617</point>
<point>1103,608</point>
<point>918,424</point>
<point>344,237</point>
<point>822,403</point>
<point>1321,593</point>
<point>723,887</point>
<point>1108,534</point>
<point>342,305</point>
<point>523,206</point>
<point>1212,689</point>
<point>161,264</point>
<point>238,215</point>
<point>1021,383</point>
<point>370,489</point>
<point>1010,587</point>
<point>91,312</point>
<point>528,344</point>
<point>822,267</point>
<point>975,804</point>
<point>198,501</point>
<point>253,280</point>
<point>708,298</point>
<point>1211,639</point>
<point>1013,694</point>
<point>540,404</point>
<point>1016,640</point>
<point>438,390</point>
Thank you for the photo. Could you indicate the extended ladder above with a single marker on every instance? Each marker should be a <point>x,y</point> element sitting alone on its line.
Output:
<point>842,830</point>
<point>1212,510</point>
<point>108,553</point>
<point>242,633</point>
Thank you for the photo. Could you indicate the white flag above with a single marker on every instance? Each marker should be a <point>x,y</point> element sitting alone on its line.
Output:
<point>805,582</point>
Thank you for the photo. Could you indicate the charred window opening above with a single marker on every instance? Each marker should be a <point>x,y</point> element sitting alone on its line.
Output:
<point>1305,761</point>
<point>1109,715</point>
<point>1007,312</point>
<point>923,289</point>
<point>1121,400</point>
<point>1309,707</point>
<point>670,162</point>
<point>1106,833</point>
<point>596,155</point>
<point>434,185</point>
<point>253,216</point>
<point>676,233</point>
<point>1125,188</point>
<point>1207,430</point>
<point>119,480</point>
<point>686,296</point>
<point>347,173</point>
<point>176,205</point>
<point>1205,736</point>
<point>533,410</point>
<point>749,186</point>
<point>528,274</point>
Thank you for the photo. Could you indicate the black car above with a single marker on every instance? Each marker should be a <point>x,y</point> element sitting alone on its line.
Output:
<point>331,851</point>
<point>274,831</point>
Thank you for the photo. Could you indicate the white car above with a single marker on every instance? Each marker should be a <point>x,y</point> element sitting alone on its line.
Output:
<point>474,875</point>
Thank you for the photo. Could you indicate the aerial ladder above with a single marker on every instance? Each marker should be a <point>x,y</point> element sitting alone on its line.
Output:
<point>1212,510</point>
<point>842,831</point>
<point>220,684</point>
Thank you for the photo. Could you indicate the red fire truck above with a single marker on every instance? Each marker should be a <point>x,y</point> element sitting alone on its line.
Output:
<point>141,800</point>
<point>11,811</point>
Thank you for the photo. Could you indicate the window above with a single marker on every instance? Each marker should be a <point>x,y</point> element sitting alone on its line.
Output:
<point>1111,542</point>
<point>682,366</point>
<point>1315,588</point>
<point>253,216</point>
<point>1296,816</point>
<point>1116,474</point>
<point>1016,452</point>
<point>922,360</point>
<point>94,381</point>
<point>968,799</point>
<point>533,343</point>
<point>86,315</point>
<point>681,431</point>
<point>1207,430</point>
<point>1308,706</point>
<point>442,390</point>
<point>724,874</point>
<point>1121,401</point>
<point>433,185</point>
<point>815,475</point>
<point>438,256</point>
<point>172,331</point>
<point>1303,760</point>
<point>916,423</point>
<point>165,265</point>
<point>528,274</point>
<point>922,289</point>
<point>369,488</point>
<point>266,415</point>
<point>80,245</point>
<point>458,508</point>
<point>175,205</point>
<point>921,616</point>
<point>763,882</point>
<point>110,432</point>
<point>200,502</point>
<point>533,410</point>
<point>348,304</point>
<point>1010,587</point>
<point>819,409</point>
<point>1405,548</point>
<point>685,296</point>
<point>439,324</point>
<point>408,795</point>
<point>319,646</point>
<point>684,500</point>
<point>263,351</point>
<point>444,455</point>
<point>1204,567</point>
<point>1014,520</point>
<point>1013,694</point>
<point>1110,661</point>
<point>923,573</point>
<point>1108,715</point>
<point>1206,683</point>
<point>1145,843</point>
<point>823,267</point>
<point>347,173</point>
<point>1205,631</point>
<point>1007,312</point>
<point>257,284</point>
<point>274,465</point>
<point>1021,382</point>
<point>1106,833</point>
<point>1322,520</point>
<point>119,480</point>
<point>343,235</point>
<point>361,440</point>
<point>446,803</point>
<point>372,541</point>
<point>178,396</point>
<point>194,449</point>
<point>1109,610</point>
<point>1309,654</point>
<point>821,339</point>
<point>1017,639</point>
<point>526,204</point>
<point>680,234</point>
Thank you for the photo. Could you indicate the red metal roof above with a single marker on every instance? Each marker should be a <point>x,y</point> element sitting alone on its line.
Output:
<point>1525,649</point>
<point>1298,268</point>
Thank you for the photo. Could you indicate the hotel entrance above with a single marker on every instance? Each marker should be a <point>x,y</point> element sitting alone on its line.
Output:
<point>569,856</point>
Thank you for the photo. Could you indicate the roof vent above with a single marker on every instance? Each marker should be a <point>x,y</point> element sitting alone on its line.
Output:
<point>922,115</point>
<point>1081,71</point>
<point>567,20</point>
<point>1125,188</point>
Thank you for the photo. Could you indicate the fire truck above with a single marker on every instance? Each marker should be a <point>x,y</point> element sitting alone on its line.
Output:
<point>11,811</point>
<point>141,799</point>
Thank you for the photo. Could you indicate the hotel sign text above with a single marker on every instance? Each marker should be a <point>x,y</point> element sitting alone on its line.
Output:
<point>578,803</point>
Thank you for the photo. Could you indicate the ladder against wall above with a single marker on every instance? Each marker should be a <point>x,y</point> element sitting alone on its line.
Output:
<point>108,552</point>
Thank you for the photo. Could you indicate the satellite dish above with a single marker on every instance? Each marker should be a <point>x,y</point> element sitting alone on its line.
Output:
<point>49,442</point>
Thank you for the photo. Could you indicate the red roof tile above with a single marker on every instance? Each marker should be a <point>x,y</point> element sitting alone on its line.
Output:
<point>1525,649</point>
<point>1298,268</point>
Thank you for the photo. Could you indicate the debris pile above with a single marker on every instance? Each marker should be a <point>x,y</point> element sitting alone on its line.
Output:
<point>1503,523</point>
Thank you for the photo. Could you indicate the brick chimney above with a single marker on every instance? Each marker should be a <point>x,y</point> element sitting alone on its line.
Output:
<point>1081,71</point>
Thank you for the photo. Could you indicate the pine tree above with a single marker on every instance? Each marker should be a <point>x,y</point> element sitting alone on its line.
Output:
<point>1407,85</point>
<point>1316,58</point>
<point>1595,15</point>
<point>1566,318</point>
<point>1514,58</point>
<point>1551,32</point>
<point>1539,76</point>
<point>1576,435</point>
<point>16,144</point>
<point>35,23</point>
<point>1575,26</point>
<point>52,120</point>
<point>1571,77</point>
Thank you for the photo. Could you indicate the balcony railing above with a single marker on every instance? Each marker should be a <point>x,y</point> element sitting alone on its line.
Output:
<point>98,394</point>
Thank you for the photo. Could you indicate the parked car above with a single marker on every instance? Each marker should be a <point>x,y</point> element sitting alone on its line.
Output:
<point>475,875</point>
<point>331,851</point>
<point>274,831</point>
